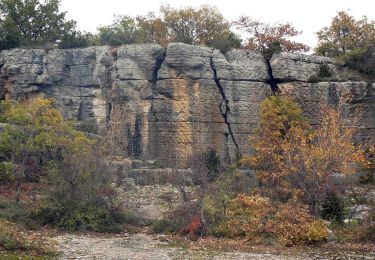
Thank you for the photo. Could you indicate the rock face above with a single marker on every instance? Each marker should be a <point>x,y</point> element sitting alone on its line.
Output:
<point>170,101</point>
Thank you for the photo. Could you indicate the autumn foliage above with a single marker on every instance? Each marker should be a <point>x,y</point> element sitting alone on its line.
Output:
<point>295,162</point>
<point>263,36</point>
<point>258,218</point>
<point>194,228</point>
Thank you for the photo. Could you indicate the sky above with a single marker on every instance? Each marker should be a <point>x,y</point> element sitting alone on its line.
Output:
<point>308,16</point>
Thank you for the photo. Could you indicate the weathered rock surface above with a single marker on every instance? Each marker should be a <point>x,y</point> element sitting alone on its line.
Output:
<point>355,100</point>
<point>169,101</point>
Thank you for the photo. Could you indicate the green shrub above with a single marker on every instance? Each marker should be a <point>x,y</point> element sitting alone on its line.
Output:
<point>333,208</point>
<point>89,216</point>
<point>6,174</point>
<point>314,79</point>
<point>17,212</point>
<point>324,71</point>
<point>362,59</point>
<point>65,183</point>
<point>161,226</point>
<point>86,218</point>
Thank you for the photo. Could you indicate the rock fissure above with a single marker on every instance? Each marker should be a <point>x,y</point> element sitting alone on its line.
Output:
<point>113,69</point>
<point>224,101</point>
<point>271,80</point>
<point>158,62</point>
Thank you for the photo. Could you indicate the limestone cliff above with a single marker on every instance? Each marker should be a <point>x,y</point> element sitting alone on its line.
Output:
<point>181,97</point>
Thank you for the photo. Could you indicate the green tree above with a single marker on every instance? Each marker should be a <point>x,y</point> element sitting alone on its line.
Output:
<point>349,40</point>
<point>37,134</point>
<point>345,34</point>
<point>204,25</point>
<point>123,30</point>
<point>39,146</point>
<point>32,23</point>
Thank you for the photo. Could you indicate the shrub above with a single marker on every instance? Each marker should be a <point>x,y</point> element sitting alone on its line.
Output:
<point>6,173</point>
<point>324,71</point>
<point>333,208</point>
<point>294,161</point>
<point>88,216</point>
<point>194,228</point>
<point>161,226</point>
<point>258,218</point>
<point>314,79</point>
<point>315,232</point>
<point>59,168</point>
<point>292,224</point>
<point>362,60</point>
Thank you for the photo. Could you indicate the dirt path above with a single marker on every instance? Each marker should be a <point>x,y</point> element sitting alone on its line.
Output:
<point>140,246</point>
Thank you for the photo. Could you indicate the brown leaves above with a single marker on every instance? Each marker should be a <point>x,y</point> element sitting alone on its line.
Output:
<point>256,218</point>
<point>261,36</point>
<point>292,161</point>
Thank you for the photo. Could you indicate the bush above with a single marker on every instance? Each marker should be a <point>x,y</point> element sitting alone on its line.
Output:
<point>17,212</point>
<point>362,60</point>
<point>195,228</point>
<point>314,79</point>
<point>55,171</point>
<point>88,216</point>
<point>6,173</point>
<point>162,226</point>
<point>258,219</point>
<point>324,71</point>
<point>333,208</point>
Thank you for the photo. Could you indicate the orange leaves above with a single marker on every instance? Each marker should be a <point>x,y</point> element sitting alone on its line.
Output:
<point>195,227</point>
<point>256,217</point>
<point>293,161</point>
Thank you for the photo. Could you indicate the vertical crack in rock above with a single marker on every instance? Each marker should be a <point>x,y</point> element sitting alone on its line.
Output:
<point>109,113</point>
<point>158,62</point>
<point>114,63</point>
<point>271,81</point>
<point>226,103</point>
<point>227,147</point>
<point>80,108</point>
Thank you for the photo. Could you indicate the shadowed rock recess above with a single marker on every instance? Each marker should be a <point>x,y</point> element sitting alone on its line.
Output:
<point>181,97</point>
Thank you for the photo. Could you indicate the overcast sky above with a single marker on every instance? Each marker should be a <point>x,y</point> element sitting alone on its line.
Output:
<point>308,16</point>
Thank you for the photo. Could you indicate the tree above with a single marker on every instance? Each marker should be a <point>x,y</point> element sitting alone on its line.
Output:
<point>76,39</point>
<point>152,29</point>
<point>123,30</point>
<point>36,131</point>
<point>345,34</point>
<point>31,23</point>
<point>351,41</point>
<point>263,37</point>
<point>38,146</point>
<point>204,25</point>
<point>297,162</point>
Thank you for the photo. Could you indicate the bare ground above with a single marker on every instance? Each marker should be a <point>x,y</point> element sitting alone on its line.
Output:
<point>141,246</point>
<point>145,246</point>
